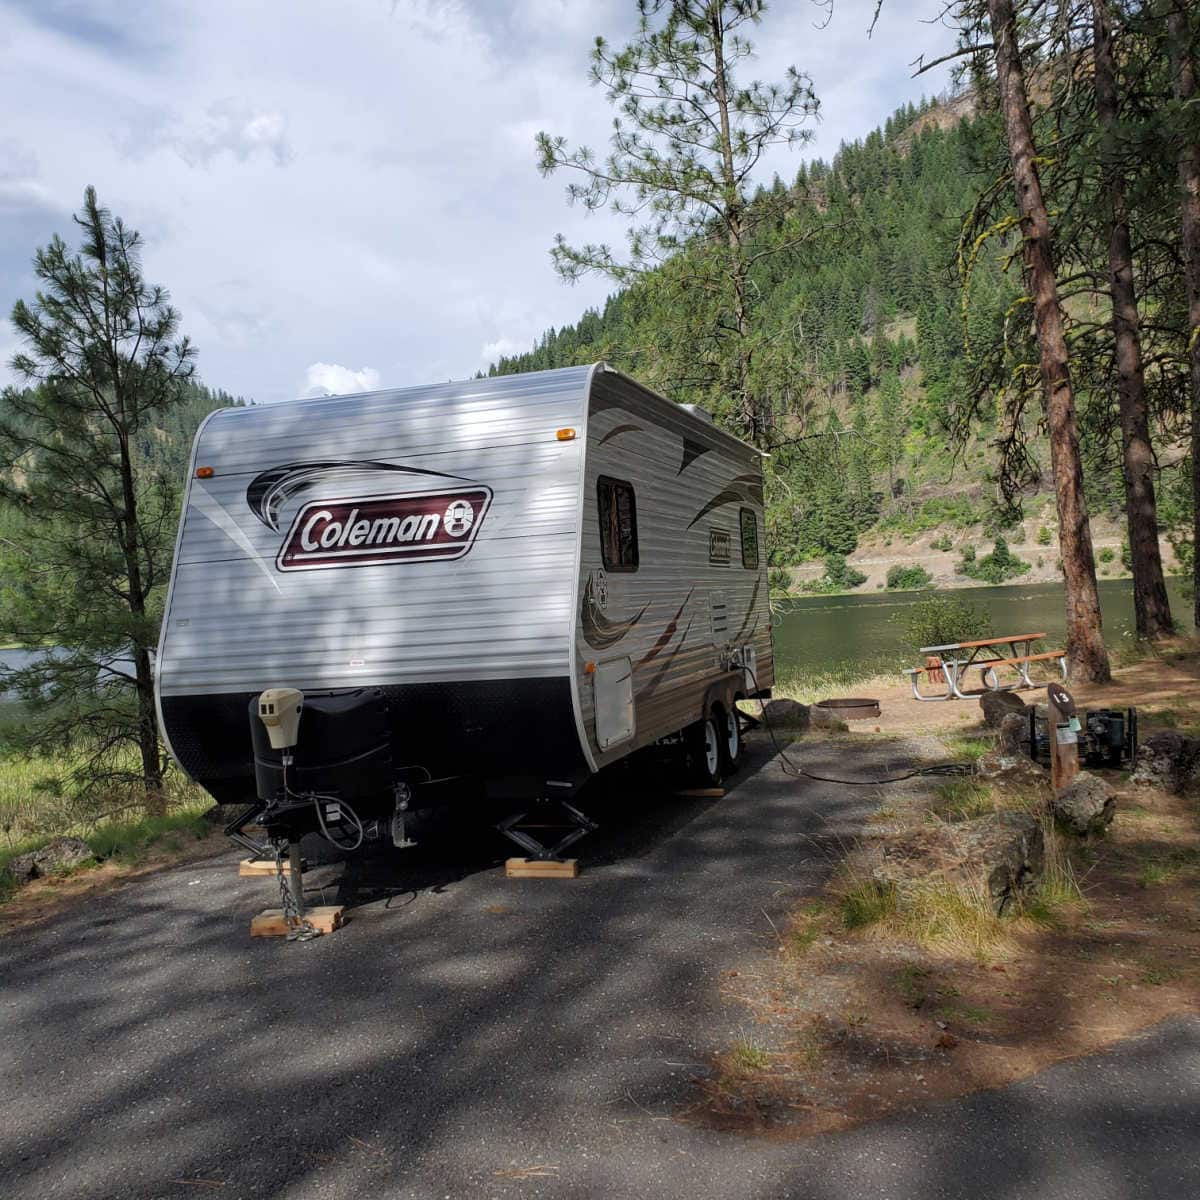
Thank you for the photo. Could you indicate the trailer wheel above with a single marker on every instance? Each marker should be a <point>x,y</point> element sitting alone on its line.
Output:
<point>707,758</point>
<point>731,743</point>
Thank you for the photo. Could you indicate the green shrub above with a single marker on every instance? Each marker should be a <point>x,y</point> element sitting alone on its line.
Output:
<point>908,579</point>
<point>1000,565</point>
<point>841,574</point>
<point>942,543</point>
<point>1043,536</point>
<point>779,580</point>
<point>1107,554</point>
<point>940,620</point>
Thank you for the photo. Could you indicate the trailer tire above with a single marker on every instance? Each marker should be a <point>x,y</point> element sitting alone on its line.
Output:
<point>731,742</point>
<point>704,751</point>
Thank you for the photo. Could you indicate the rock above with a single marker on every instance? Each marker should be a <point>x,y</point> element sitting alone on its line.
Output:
<point>1012,769</point>
<point>60,854</point>
<point>1086,805</point>
<point>1000,855</point>
<point>1004,851</point>
<point>997,705</point>
<point>1167,760</point>
<point>789,714</point>
<point>1014,731</point>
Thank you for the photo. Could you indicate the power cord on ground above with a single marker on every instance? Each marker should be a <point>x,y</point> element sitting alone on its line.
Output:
<point>946,769</point>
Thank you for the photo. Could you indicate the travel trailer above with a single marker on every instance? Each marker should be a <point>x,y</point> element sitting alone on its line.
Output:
<point>492,588</point>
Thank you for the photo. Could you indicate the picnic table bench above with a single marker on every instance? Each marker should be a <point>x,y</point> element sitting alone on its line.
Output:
<point>949,664</point>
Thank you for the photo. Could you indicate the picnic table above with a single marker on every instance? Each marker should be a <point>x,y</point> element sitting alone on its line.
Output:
<point>950,664</point>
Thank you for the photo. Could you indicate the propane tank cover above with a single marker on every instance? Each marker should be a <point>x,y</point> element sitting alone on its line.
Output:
<point>279,710</point>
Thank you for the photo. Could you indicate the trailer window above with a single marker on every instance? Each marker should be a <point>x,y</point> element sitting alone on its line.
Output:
<point>618,524</point>
<point>749,539</point>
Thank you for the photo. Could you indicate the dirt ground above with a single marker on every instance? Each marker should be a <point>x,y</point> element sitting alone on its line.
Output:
<point>44,898</point>
<point>849,1025</point>
<point>1170,680</point>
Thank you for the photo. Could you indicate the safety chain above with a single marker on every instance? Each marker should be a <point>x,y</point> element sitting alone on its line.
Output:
<point>300,929</point>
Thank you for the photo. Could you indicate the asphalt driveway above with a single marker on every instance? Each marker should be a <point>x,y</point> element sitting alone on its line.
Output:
<point>468,1035</point>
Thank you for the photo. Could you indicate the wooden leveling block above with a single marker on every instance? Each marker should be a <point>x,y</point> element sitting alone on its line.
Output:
<point>710,793</point>
<point>539,868</point>
<point>270,922</point>
<point>254,867</point>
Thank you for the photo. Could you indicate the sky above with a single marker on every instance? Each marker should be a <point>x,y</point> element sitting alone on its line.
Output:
<point>342,196</point>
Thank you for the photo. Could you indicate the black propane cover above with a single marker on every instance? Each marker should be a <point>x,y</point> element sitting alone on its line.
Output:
<point>343,748</point>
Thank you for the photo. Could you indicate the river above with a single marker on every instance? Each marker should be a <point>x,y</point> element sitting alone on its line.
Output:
<point>856,635</point>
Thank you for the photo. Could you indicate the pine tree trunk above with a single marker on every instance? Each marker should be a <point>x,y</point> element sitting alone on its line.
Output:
<point>1085,642</point>
<point>1183,76</point>
<point>1152,610</point>
<point>750,406</point>
<point>152,775</point>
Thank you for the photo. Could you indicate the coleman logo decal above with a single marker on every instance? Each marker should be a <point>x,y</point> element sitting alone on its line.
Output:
<point>368,530</point>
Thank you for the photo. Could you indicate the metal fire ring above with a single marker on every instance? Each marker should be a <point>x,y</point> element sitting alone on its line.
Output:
<point>852,708</point>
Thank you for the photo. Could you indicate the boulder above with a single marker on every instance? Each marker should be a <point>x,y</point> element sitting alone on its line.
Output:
<point>1167,760</point>
<point>997,705</point>
<point>1086,805</point>
<point>787,714</point>
<point>1004,852</point>
<point>999,855</point>
<point>1014,732</point>
<point>1015,769</point>
<point>60,854</point>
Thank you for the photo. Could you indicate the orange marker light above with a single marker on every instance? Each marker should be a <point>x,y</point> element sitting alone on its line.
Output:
<point>565,435</point>
<point>204,472</point>
<point>589,668</point>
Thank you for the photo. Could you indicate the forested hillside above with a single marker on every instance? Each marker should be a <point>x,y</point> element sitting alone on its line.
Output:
<point>866,352</point>
<point>164,451</point>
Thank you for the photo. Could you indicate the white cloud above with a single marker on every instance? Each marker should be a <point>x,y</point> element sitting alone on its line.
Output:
<point>502,347</point>
<point>410,227</point>
<point>330,379</point>
<point>235,127</point>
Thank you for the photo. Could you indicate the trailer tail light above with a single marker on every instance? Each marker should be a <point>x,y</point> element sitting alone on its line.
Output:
<point>204,472</point>
<point>565,435</point>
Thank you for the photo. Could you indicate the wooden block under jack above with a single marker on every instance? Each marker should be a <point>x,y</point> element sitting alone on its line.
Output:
<point>253,867</point>
<point>541,868</point>
<point>710,793</point>
<point>325,918</point>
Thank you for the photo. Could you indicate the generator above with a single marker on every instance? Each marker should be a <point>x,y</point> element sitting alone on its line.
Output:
<point>1107,737</point>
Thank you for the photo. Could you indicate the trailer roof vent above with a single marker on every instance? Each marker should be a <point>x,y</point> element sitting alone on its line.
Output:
<point>697,411</point>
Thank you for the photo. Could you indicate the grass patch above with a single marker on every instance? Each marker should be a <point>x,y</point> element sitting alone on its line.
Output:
<point>747,1057</point>
<point>128,841</point>
<point>963,799</point>
<point>1058,891</point>
<point>1162,870</point>
<point>806,928</point>
<point>845,679</point>
<point>867,903</point>
<point>1156,976</point>
<point>968,1014</point>
<point>970,748</point>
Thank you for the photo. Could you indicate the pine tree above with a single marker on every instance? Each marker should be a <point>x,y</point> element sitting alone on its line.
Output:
<point>103,363</point>
<point>683,150</point>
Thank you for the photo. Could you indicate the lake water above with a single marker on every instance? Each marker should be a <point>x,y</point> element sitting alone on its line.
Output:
<point>861,634</point>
